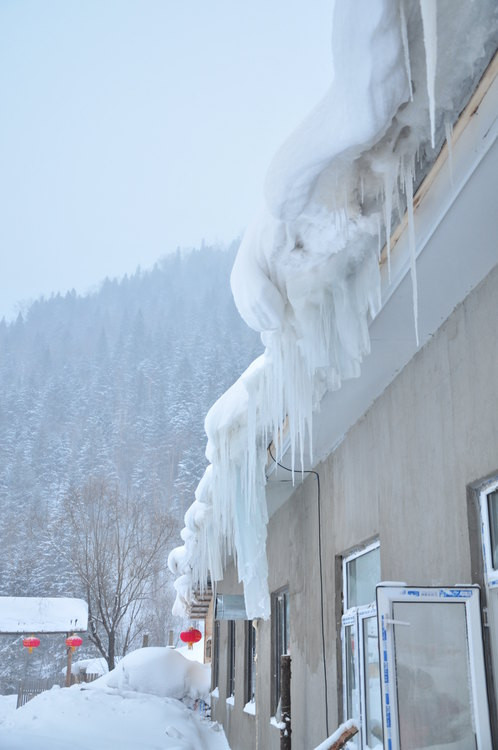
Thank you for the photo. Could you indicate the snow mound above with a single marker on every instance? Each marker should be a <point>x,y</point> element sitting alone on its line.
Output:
<point>88,666</point>
<point>158,671</point>
<point>82,718</point>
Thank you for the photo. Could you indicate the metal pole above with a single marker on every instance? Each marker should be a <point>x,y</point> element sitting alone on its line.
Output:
<point>285,701</point>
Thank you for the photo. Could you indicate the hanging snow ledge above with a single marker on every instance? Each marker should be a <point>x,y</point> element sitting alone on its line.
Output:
<point>307,272</point>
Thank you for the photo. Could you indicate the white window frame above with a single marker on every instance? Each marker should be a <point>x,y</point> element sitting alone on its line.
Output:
<point>469,595</point>
<point>350,620</point>
<point>490,573</point>
<point>354,617</point>
<point>364,613</point>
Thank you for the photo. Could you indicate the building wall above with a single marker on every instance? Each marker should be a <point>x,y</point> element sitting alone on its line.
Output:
<point>400,475</point>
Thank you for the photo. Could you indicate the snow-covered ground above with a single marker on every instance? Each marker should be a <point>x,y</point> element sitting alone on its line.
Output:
<point>134,707</point>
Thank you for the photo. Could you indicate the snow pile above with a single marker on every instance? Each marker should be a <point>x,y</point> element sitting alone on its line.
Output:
<point>88,666</point>
<point>8,705</point>
<point>196,653</point>
<point>307,272</point>
<point>89,719</point>
<point>158,671</point>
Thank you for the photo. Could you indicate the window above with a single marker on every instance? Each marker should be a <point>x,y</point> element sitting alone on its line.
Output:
<point>231,660</point>
<point>250,662</point>
<point>361,573</point>
<point>216,656</point>
<point>280,636</point>
<point>434,685</point>
<point>360,657</point>
<point>489,520</point>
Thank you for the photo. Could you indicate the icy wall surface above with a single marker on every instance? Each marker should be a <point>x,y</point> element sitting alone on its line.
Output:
<point>307,272</point>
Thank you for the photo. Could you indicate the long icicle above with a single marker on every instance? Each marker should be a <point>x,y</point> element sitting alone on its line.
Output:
<point>406,50</point>
<point>408,173</point>
<point>448,128</point>
<point>389,178</point>
<point>428,9</point>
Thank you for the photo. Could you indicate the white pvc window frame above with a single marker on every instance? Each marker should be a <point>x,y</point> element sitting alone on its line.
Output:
<point>470,596</point>
<point>365,613</point>
<point>350,620</point>
<point>354,619</point>
<point>490,572</point>
<point>359,552</point>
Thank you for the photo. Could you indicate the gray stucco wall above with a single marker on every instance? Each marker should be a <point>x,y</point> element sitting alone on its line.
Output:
<point>400,475</point>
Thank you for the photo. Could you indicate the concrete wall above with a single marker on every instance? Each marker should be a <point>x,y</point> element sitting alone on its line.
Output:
<point>400,475</point>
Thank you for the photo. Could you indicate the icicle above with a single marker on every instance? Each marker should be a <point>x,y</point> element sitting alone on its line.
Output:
<point>408,171</point>
<point>404,37</point>
<point>379,243</point>
<point>429,18</point>
<point>448,129</point>
<point>389,179</point>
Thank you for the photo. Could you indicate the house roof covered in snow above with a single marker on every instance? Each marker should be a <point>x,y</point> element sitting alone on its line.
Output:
<point>38,614</point>
<point>308,274</point>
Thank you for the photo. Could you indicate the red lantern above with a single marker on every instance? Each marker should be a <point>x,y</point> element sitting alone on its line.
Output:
<point>74,641</point>
<point>191,636</point>
<point>30,643</point>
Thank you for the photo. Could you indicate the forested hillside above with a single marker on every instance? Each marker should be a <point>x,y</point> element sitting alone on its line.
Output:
<point>111,386</point>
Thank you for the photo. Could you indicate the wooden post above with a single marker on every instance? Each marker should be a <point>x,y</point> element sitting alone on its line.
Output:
<point>170,638</point>
<point>145,640</point>
<point>285,702</point>
<point>69,665</point>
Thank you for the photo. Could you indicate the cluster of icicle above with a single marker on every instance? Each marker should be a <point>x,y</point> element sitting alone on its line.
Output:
<point>307,272</point>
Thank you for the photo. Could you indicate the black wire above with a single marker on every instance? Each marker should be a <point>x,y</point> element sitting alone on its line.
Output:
<point>320,565</point>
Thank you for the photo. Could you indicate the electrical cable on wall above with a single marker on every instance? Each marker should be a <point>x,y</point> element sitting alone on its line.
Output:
<point>320,565</point>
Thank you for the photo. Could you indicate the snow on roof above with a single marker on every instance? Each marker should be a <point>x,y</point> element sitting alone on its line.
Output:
<point>35,614</point>
<point>307,272</point>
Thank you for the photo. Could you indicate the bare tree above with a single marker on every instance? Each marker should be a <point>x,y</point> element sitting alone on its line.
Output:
<point>118,543</point>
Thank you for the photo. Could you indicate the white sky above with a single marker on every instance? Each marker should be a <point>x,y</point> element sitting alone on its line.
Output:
<point>130,127</point>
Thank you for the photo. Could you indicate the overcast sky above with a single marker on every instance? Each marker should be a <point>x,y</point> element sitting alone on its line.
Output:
<point>131,127</point>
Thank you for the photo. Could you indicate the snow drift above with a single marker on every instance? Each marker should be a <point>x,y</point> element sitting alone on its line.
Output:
<point>158,671</point>
<point>132,707</point>
<point>307,272</point>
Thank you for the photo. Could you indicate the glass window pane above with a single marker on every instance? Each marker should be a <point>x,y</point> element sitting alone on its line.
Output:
<point>231,659</point>
<point>493,526</point>
<point>433,679</point>
<point>363,574</point>
<point>286,643</point>
<point>250,663</point>
<point>216,654</point>
<point>373,704</point>
<point>281,636</point>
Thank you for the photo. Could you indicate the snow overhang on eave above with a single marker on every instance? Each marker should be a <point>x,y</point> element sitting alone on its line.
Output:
<point>307,272</point>
<point>455,212</point>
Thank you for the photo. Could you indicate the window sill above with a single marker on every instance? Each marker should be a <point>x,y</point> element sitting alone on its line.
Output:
<point>250,708</point>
